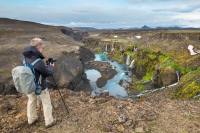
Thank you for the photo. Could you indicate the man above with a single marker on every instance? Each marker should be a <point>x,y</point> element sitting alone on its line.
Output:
<point>31,53</point>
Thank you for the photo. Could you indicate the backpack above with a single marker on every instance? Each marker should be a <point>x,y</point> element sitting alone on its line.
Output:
<point>24,78</point>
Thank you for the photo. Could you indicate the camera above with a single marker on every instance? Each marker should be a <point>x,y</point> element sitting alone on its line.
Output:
<point>50,60</point>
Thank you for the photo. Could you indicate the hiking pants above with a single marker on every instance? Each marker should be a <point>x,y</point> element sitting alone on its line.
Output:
<point>47,107</point>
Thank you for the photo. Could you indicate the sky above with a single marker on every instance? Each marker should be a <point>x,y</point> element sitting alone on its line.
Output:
<point>105,13</point>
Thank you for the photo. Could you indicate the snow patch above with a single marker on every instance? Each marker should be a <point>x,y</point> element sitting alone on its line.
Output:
<point>190,47</point>
<point>138,37</point>
<point>115,36</point>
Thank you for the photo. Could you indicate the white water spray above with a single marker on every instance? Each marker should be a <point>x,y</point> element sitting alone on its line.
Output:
<point>128,60</point>
<point>113,47</point>
<point>132,63</point>
<point>106,47</point>
<point>135,48</point>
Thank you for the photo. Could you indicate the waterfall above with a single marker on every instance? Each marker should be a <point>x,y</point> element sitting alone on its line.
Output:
<point>135,48</point>
<point>132,63</point>
<point>106,47</point>
<point>128,60</point>
<point>113,47</point>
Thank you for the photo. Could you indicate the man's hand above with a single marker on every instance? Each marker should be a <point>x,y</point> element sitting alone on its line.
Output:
<point>52,64</point>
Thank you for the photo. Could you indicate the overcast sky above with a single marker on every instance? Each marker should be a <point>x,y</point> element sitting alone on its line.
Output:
<point>105,13</point>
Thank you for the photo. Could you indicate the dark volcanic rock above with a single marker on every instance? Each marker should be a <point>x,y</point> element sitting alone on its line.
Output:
<point>98,65</point>
<point>109,73</point>
<point>101,82</point>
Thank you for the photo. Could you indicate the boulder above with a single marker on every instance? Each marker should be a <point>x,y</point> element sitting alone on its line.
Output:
<point>126,73</point>
<point>101,82</point>
<point>109,73</point>
<point>166,76</point>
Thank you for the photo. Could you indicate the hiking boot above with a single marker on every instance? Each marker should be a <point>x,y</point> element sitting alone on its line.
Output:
<point>33,123</point>
<point>50,125</point>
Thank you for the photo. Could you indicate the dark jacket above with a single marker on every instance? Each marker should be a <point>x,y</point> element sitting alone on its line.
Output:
<point>31,53</point>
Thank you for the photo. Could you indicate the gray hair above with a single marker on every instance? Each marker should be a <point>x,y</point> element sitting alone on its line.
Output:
<point>36,42</point>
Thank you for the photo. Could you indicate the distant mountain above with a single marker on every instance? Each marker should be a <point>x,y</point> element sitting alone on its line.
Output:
<point>84,28</point>
<point>134,28</point>
<point>145,27</point>
<point>177,28</point>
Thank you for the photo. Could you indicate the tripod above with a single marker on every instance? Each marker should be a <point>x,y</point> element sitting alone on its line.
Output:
<point>60,94</point>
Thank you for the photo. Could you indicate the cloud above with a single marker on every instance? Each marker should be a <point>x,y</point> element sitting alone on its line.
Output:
<point>151,1</point>
<point>179,9</point>
<point>98,17</point>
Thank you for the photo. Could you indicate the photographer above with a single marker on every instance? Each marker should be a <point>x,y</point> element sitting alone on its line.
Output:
<point>31,53</point>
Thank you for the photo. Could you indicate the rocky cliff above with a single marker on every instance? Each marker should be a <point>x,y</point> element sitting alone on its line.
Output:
<point>159,55</point>
<point>70,54</point>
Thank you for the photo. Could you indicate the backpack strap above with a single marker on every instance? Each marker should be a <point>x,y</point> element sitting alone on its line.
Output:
<point>24,62</point>
<point>33,63</point>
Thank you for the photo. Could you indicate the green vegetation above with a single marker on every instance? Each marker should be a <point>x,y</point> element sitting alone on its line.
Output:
<point>177,67</point>
<point>130,52</point>
<point>115,40</point>
<point>117,57</point>
<point>190,85</point>
<point>141,87</point>
<point>99,50</point>
<point>148,76</point>
<point>152,56</point>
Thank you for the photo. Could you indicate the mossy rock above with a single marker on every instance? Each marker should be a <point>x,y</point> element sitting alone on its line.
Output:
<point>168,75</point>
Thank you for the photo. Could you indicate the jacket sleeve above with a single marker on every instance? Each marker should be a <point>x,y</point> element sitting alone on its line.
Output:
<point>43,70</point>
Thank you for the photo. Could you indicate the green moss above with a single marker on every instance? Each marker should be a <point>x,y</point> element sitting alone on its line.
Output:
<point>99,50</point>
<point>152,56</point>
<point>189,76</point>
<point>175,66</point>
<point>141,87</point>
<point>163,59</point>
<point>147,77</point>
<point>117,57</point>
<point>189,89</point>
<point>115,40</point>
<point>130,52</point>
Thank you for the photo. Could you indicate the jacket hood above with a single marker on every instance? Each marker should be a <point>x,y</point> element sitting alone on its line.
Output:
<point>31,51</point>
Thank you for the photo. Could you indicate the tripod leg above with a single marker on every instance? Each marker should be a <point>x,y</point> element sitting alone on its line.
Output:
<point>60,93</point>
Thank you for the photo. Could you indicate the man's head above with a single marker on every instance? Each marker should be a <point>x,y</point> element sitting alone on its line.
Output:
<point>38,43</point>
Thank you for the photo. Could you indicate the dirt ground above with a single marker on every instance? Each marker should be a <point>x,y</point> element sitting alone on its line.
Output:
<point>156,114</point>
